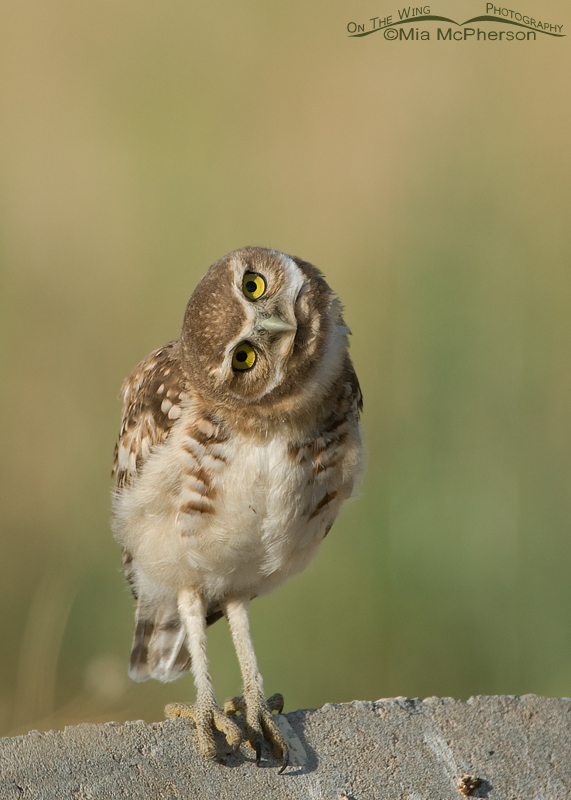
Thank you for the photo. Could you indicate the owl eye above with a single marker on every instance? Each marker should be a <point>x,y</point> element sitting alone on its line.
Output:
<point>253,285</point>
<point>244,357</point>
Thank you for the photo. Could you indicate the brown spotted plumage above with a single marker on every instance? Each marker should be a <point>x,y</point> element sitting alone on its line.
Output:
<point>152,395</point>
<point>239,444</point>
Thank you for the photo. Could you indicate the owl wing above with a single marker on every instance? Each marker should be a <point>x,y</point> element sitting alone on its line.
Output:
<point>152,396</point>
<point>353,394</point>
<point>335,451</point>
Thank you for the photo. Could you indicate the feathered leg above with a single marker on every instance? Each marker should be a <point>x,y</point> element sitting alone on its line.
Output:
<point>253,706</point>
<point>205,713</point>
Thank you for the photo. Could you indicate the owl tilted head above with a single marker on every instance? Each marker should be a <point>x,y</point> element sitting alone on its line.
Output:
<point>263,328</point>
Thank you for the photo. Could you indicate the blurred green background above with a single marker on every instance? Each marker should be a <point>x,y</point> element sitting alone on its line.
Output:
<point>140,141</point>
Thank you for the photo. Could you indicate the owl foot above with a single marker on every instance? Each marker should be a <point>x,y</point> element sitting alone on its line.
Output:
<point>259,724</point>
<point>206,717</point>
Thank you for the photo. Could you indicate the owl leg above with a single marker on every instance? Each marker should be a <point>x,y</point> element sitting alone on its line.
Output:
<point>205,712</point>
<point>255,710</point>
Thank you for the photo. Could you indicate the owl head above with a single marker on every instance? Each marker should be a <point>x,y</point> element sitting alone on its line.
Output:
<point>261,328</point>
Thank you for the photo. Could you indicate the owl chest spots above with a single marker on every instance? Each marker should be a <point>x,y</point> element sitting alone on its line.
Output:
<point>215,510</point>
<point>249,507</point>
<point>238,485</point>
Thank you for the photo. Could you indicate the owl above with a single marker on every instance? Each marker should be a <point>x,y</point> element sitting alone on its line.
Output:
<point>239,443</point>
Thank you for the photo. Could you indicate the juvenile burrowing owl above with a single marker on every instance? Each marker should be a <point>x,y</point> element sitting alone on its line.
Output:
<point>239,443</point>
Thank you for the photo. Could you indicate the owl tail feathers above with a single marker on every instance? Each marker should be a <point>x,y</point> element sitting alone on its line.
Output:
<point>159,648</point>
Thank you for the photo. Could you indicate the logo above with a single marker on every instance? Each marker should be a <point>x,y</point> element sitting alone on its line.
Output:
<point>514,26</point>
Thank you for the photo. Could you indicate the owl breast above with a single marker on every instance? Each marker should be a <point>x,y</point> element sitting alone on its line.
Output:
<point>231,515</point>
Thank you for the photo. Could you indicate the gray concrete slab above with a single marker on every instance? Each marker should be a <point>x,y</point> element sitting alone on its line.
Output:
<point>506,748</point>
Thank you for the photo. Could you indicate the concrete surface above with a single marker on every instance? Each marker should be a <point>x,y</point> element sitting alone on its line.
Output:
<point>506,748</point>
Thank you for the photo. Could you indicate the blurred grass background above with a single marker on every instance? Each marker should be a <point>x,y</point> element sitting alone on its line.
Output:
<point>140,141</point>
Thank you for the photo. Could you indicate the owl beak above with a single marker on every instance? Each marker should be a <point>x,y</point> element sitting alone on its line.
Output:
<point>275,324</point>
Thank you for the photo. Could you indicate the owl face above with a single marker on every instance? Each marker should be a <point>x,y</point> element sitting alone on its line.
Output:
<point>257,325</point>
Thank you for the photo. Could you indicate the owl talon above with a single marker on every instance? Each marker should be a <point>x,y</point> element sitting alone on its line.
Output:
<point>285,764</point>
<point>260,725</point>
<point>276,702</point>
<point>207,717</point>
<point>234,706</point>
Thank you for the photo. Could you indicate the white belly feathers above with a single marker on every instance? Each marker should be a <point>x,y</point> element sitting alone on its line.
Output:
<point>236,519</point>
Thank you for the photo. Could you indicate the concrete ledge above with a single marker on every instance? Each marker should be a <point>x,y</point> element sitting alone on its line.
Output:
<point>506,748</point>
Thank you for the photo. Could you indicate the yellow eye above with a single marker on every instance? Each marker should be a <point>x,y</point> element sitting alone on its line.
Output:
<point>244,357</point>
<point>253,285</point>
